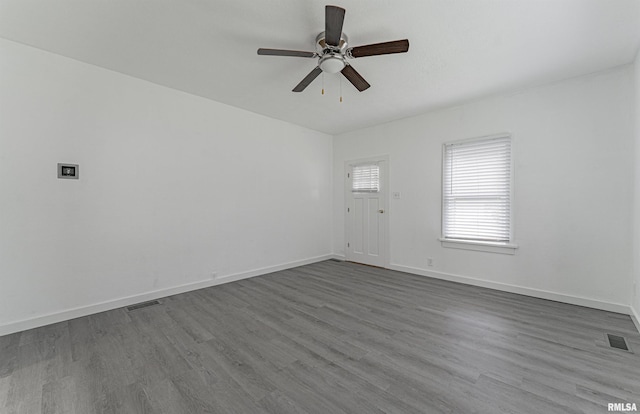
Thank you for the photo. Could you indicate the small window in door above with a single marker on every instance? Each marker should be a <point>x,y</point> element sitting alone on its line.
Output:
<point>365,178</point>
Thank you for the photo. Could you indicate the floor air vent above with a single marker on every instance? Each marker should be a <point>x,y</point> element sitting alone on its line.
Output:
<point>142,305</point>
<point>617,342</point>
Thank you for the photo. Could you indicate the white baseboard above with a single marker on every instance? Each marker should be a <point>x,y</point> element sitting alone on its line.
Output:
<point>635,317</point>
<point>68,314</point>
<point>56,317</point>
<point>537,293</point>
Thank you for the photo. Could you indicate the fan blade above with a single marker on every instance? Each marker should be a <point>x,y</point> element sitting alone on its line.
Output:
<point>308,79</point>
<point>333,19</point>
<point>354,77</point>
<point>386,48</point>
<point>282,52</point>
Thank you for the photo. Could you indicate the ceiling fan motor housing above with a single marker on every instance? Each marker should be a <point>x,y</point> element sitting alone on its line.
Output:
<point>332,58</point>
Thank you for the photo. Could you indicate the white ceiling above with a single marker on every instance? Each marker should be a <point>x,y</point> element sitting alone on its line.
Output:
<point>460,49</point>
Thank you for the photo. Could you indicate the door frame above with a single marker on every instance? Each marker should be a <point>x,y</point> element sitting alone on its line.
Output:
<point>387,210</point>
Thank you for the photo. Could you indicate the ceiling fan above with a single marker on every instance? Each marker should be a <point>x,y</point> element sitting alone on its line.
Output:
<point>333,51</point>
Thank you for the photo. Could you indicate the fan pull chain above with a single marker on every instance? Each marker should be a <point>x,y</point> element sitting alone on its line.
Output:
<point>340,88</point>
<point>323,83</point>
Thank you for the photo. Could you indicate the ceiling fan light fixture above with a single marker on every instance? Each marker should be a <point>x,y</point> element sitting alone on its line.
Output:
<point>332,64</point>
<point>332,50</point>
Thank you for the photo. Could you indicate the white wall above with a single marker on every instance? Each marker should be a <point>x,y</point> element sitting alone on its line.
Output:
<point>172,188</point>
<point>635,292</point>
<point>573,148</point>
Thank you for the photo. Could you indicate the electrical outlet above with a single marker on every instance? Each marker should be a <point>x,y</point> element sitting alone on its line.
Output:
<point>429,261</point>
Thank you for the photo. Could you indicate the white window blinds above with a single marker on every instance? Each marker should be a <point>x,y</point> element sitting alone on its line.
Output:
<point>476,189</point>
<point>365,178</point>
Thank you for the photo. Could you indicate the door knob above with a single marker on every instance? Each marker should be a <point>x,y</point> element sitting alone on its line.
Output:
<point>380,211</point>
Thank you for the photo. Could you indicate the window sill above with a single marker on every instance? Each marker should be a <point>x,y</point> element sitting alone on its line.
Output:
<point>502,248</point>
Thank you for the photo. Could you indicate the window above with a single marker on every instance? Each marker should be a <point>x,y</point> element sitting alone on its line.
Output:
<point>476,192</point>
<point>365,178</point>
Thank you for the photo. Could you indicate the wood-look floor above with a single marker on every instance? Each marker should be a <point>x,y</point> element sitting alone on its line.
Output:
<point>326,338</point>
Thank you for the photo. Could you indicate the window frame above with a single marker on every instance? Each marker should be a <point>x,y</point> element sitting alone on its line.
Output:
<point>367,164</point>
<point>508,247</point>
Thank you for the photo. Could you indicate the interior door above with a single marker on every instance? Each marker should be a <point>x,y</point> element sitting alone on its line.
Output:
<point>366,213</point>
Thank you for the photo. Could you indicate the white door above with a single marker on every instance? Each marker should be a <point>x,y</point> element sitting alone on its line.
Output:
<point>366,212</point>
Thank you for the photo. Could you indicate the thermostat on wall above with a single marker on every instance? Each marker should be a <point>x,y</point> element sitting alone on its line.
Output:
<point>71,171</point>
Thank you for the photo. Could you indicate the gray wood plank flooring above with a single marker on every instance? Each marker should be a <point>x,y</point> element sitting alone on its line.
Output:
<point>326,338</point>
